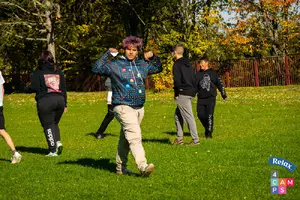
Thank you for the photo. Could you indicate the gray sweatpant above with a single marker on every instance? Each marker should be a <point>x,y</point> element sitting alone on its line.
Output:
<point>184,113</point>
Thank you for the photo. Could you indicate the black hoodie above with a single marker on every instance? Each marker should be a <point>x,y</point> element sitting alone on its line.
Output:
<point>207,83</point>
<point>45,81</point>
<point>184,78</point>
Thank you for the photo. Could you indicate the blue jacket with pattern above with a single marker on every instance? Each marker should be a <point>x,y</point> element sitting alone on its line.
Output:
<point>127,77</point>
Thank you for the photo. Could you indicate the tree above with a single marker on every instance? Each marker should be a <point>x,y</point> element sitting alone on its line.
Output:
<point>196,24</point>
<point>75,33</point>
<point>86,30</point>
<point>270,25</point>
<point>37,18</point>
<point>26,27</point>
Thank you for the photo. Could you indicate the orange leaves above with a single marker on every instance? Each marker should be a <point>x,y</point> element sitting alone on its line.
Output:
<point>237,40</point>
<point>278,2</point>
<point>236,10</point>
<point>241,39</point>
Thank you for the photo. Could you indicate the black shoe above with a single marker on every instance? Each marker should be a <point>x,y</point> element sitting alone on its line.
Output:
<point>208,136</point>
<point>99,135</point>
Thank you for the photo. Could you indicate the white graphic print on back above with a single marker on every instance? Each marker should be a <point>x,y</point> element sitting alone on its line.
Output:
<point>205,82</point>
<point>52,82</point>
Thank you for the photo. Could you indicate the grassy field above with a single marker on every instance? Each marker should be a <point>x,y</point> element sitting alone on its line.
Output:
<point>256,124</point>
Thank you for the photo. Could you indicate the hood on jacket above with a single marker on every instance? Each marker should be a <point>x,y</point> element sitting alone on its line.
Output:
<point>184,61</point>
<point>46,65</point>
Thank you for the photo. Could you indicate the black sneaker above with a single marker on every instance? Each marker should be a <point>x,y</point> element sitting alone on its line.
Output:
<point>99,135</point>
<point>208,136</point>
<point>124,172</point>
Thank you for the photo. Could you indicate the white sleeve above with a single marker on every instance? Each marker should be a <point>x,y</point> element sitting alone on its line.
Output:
<point>1,79</point>
<point>114,54</point>
<point>109,97</point>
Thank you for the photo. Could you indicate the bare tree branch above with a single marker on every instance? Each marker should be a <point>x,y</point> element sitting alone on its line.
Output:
<point>13,4</point>
<point>28,24</point>
<point>26,38</point>
<point>135,12</point>
<point>40,15</point>
<point>64,49</point>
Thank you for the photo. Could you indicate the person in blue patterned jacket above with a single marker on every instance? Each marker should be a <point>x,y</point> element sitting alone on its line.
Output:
<point>128,74</point>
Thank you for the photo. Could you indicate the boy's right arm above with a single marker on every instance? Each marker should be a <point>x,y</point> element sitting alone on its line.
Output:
<point>103,65</point>
<point>176,79</point>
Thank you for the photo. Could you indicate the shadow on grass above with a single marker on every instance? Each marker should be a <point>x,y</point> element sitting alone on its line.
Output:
<point>35,150</point>
<point>103,163</point>
<point>5,160</point>
<point>163,141</point>
<point>174,133</point>
<point>94,134</point>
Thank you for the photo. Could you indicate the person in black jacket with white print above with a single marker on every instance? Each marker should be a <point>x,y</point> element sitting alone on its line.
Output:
<point>48,82</point>
<point>207,83</point>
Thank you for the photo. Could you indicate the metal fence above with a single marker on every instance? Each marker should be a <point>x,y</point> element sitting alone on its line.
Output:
<point>259,72</point>
<point>234,73</point>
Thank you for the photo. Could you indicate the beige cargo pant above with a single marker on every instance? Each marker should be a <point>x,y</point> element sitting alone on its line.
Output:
<point>130,136</point>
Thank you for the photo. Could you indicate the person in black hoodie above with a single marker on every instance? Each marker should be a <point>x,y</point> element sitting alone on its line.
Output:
<point>48,82</point>
<point>184,89</point>
<point>207,81</point>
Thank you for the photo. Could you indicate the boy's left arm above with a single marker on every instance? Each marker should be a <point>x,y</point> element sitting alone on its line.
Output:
<point>63,87</point>
<point>154,65</point>
<point>103,65</point>
<point>221,87</point>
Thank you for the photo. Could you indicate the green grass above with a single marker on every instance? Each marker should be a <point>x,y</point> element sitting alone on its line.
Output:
<point>255,124</point>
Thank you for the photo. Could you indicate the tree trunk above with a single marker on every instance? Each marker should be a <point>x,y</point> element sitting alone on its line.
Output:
<point>50,34</point>
<point>51,8</point>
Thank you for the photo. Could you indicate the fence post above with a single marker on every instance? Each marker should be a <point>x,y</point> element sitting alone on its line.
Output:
<point>147,83</point>
<point>256,73</point>
<point>197,66</point>
<point>227,78</point>
<point>98,82</point>
<point>287,71</point>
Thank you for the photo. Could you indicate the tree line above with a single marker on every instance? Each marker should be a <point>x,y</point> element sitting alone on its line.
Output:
<point>77,32</point>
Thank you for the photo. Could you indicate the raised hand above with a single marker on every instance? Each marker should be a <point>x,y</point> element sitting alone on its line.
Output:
<point>113,50</point>
<point>148,55</point>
